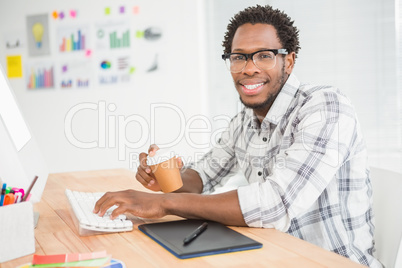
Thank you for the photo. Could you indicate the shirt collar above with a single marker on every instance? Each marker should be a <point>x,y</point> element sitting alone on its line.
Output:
<point>283,100</point>
<point>280,105</point>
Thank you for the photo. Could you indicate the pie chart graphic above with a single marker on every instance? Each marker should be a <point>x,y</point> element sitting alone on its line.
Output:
<point>105,64</point>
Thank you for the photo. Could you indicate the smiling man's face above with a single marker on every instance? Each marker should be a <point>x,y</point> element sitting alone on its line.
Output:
<point>259,88</point>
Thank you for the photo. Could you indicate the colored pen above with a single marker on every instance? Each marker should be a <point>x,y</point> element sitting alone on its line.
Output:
<point>9,190</point>
<point>29,189</point>
<point>9,199</point>
<point>3,193</point>
<point>195,233</point>
<point>18,197</point>
<point>21,193</point>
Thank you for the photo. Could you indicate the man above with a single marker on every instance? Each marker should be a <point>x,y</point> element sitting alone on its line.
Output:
<point>298,145</point>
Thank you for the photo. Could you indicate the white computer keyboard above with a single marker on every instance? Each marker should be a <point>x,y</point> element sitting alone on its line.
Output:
<point>82,205</point>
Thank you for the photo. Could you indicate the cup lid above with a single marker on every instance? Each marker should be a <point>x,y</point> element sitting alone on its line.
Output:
<point>160,156</point>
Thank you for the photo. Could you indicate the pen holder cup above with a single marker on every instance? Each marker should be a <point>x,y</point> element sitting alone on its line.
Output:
<point>16,231</point>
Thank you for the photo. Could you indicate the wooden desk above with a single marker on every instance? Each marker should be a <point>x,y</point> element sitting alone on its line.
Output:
<point>56,233</point>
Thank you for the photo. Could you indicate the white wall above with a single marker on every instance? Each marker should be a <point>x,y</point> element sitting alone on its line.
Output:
<point>179,82</point>
<point>348,44</point>
<point>353,45</point>
<point>223,98</point>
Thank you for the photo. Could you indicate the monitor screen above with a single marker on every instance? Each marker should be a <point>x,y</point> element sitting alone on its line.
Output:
<point>20,157</point>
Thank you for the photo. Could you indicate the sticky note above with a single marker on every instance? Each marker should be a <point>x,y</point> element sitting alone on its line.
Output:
<point>107,10</point>
<point>88,53</point>
<point>136,10</point>
<point>101,262</point>
<point>122,9</point>
<point>61,15</point>
<point>132,70</point>
<point>73,13</point>
<point>14,66</point>
<point>55,15</point>
<point>140,34</point>
<point>68,258</point>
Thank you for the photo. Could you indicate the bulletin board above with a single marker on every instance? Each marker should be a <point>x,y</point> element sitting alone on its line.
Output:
<point>71,48</point>
<point>131,55</point>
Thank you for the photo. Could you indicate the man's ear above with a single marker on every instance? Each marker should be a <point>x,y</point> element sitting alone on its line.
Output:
<point>290,62</point>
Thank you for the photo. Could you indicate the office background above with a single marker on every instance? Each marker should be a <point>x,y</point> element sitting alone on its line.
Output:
<point>168,84</point>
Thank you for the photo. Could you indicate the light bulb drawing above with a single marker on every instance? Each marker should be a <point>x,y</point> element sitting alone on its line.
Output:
<point>37,30</point>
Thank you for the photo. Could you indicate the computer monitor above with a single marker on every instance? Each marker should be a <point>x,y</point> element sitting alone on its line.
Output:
<point>20,157</point>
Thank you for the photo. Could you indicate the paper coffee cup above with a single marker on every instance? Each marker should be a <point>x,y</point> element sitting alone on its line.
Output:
<point>165,166</point>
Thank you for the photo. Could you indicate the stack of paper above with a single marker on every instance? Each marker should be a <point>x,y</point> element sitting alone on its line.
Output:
<point>88,260</point>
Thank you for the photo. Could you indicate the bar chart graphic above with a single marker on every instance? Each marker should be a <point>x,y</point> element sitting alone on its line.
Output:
<point>113,35</point>
<point>73,43</point>
<point>66,84</point>
<point>116,42</point>
<point>72,39</point>
<point>82,82</point>
<point>41,78</point>
<point>73,74</point>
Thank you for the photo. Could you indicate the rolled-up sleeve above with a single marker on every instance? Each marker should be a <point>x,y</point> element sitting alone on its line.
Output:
<point>219,164</point>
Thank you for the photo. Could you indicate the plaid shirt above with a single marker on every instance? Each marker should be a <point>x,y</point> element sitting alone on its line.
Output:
<point>306,167</point>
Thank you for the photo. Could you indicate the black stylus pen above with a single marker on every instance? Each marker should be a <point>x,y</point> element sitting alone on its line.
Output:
<point>195,233</point>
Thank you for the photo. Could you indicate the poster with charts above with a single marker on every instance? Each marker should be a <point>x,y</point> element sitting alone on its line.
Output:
<point>114,70</point>
<point>40,75</point>
<point>38,35</point>
<point>73,39</point>
<point>113,35</point>
<point>74,74</point>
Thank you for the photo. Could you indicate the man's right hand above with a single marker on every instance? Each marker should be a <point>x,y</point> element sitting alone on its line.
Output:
<point>144,173</point>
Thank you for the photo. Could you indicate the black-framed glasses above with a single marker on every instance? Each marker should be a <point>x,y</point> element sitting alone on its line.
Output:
<point>264,59</point>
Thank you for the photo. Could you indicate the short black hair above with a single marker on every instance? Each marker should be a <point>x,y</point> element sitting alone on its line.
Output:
<point>287,33</point>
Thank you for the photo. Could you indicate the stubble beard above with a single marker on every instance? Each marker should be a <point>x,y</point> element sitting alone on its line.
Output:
<point>271,97</point>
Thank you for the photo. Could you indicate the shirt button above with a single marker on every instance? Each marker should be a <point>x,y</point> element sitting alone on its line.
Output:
<point>259,173</point>
<point>264,139</point>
